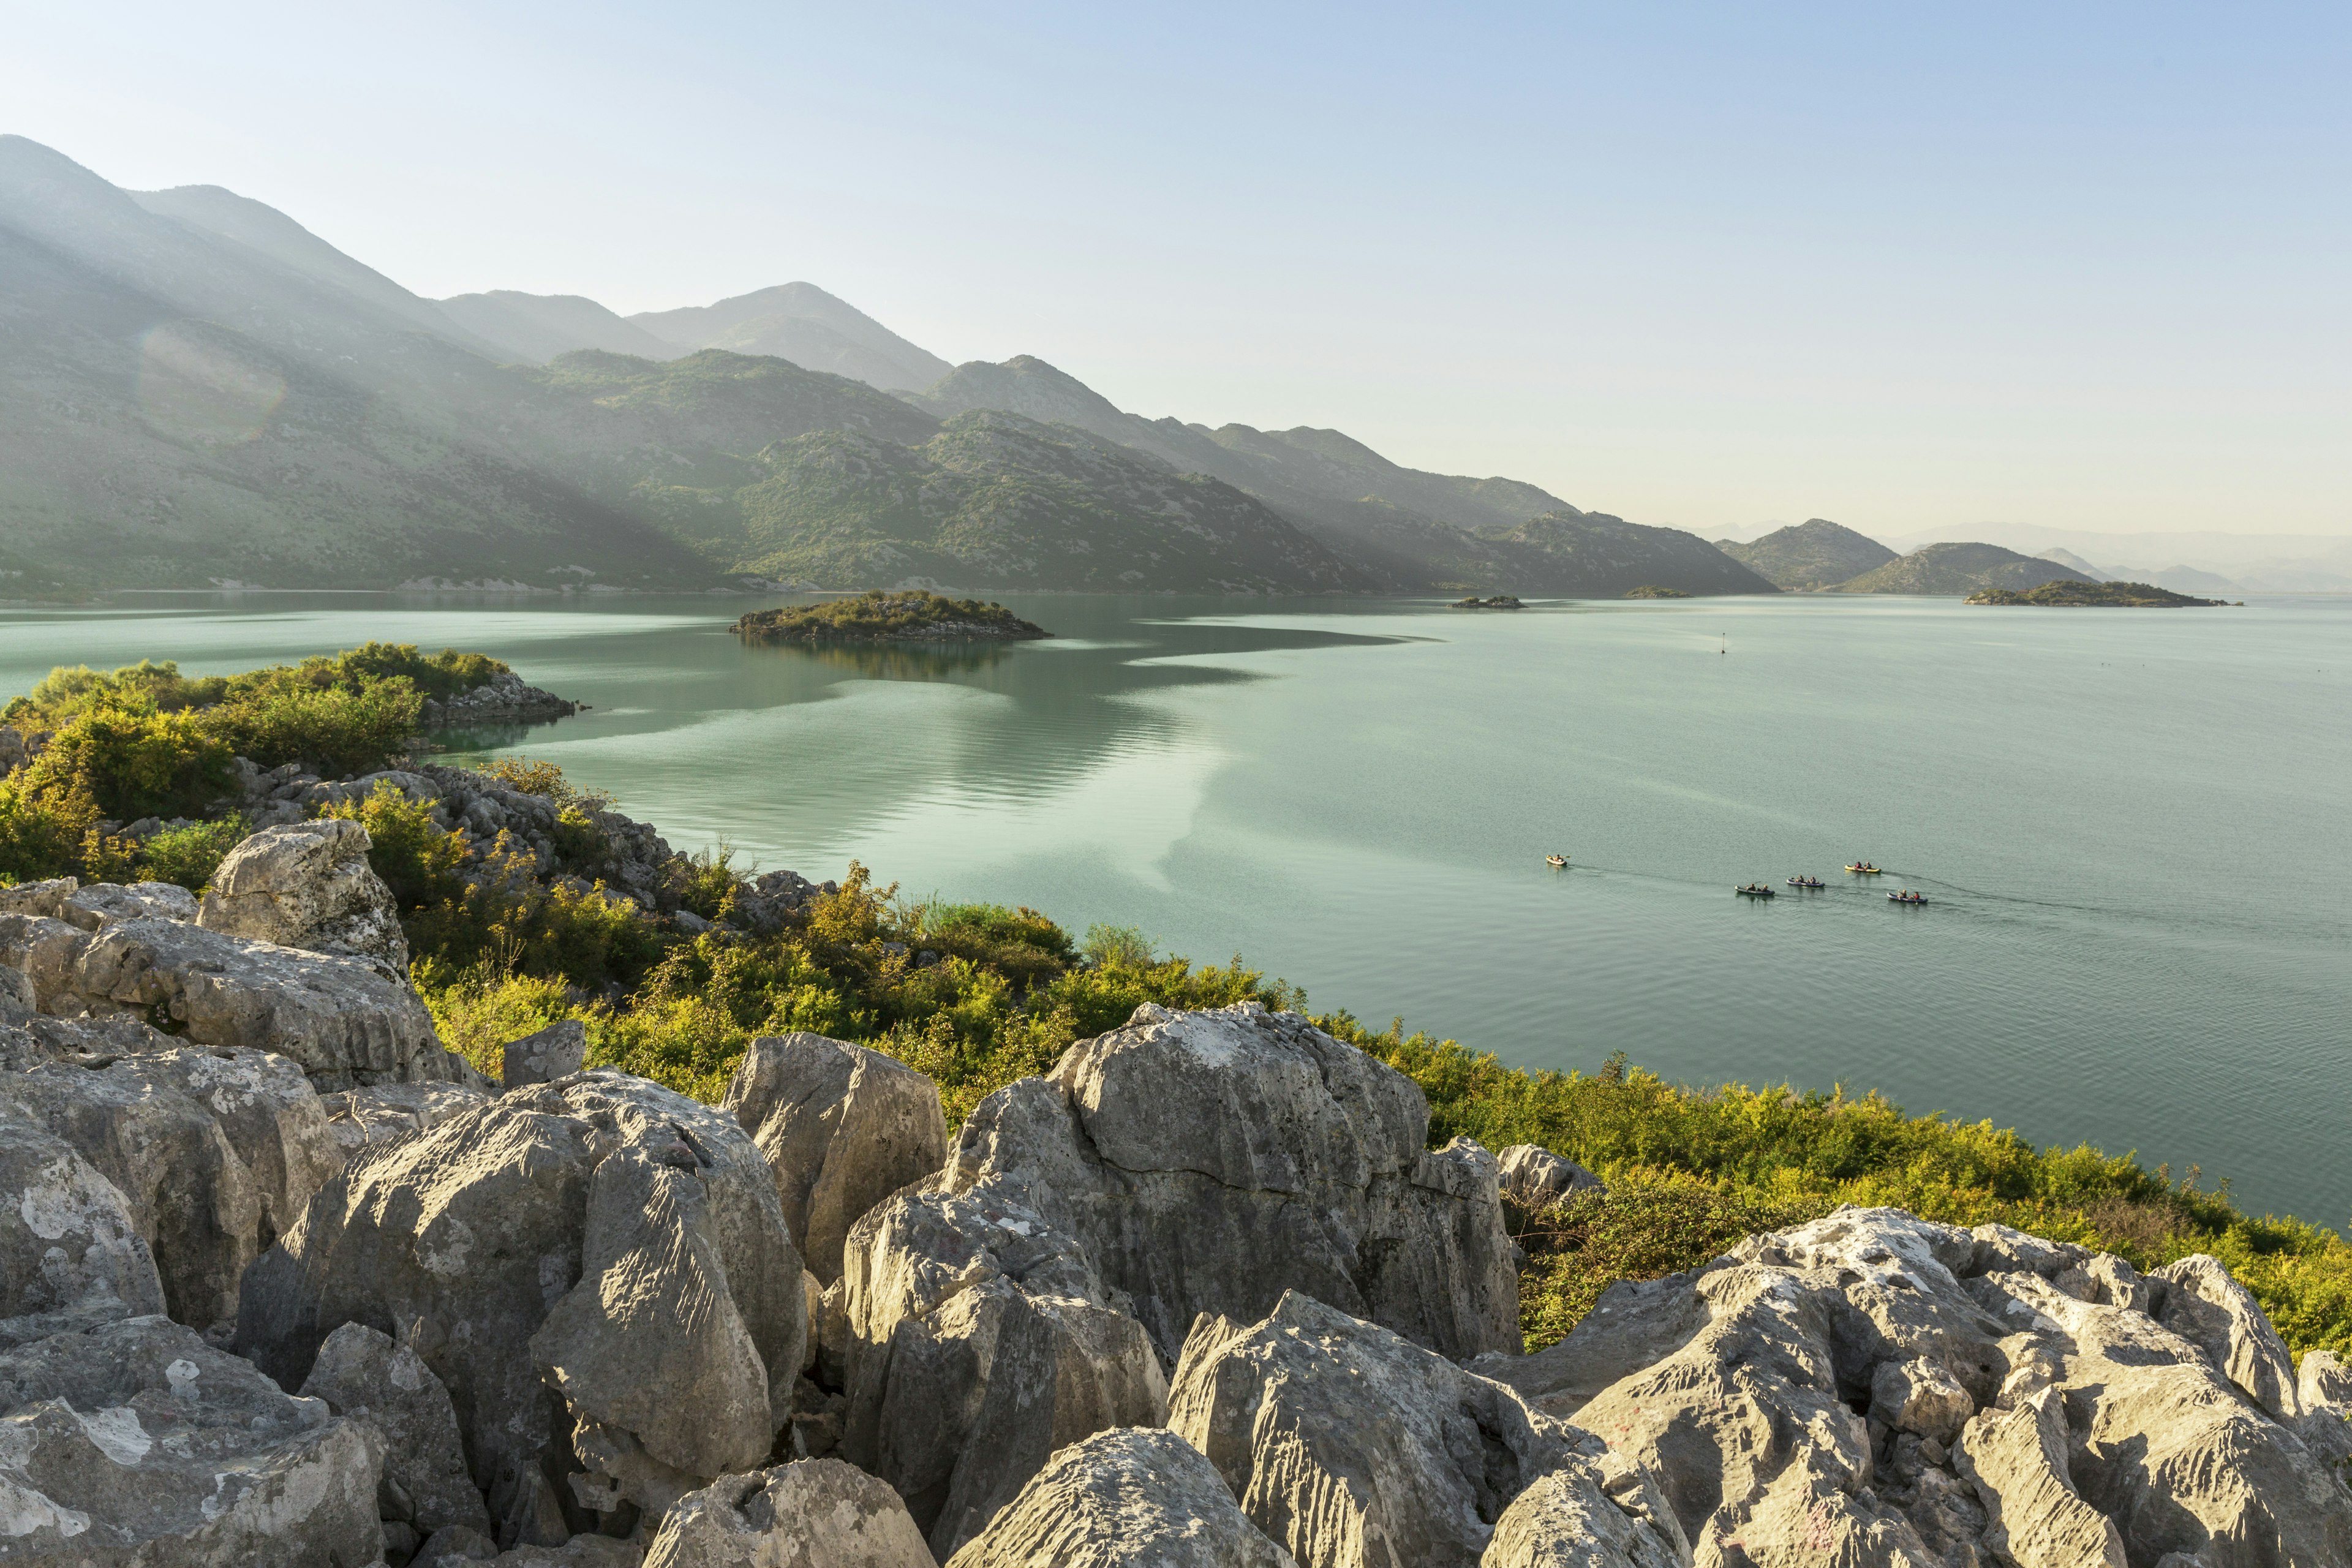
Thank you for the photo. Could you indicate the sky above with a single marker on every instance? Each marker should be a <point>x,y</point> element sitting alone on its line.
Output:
<point>1710,266</point>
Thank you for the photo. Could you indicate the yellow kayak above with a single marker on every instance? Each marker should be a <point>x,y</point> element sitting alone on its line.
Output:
<point>1864,870</point>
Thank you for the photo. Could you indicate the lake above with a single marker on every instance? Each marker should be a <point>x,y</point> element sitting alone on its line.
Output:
<point>2130,824</point>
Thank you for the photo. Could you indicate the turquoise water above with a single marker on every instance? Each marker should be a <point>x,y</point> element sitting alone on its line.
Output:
<point>2131,824</point>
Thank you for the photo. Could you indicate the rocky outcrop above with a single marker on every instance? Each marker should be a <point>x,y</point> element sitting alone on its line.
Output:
<point>1899,1391</point>
<point>816,1513</point>
<point>1535,1178</point>
<point>1589,1513</point>
<point>309,885</point>
<point>557,1051</point>
<point>103,904</point>
<point>1354,1447</point>
<point>598,1272</point>
<point>1210,1162</point>
<point>357,1117</point>
<point>136,1443</point>
<point>843,1127</point>
<point>506,698</point>
<point>344,1020</point>
<point>214,1152</point>
<point>71,1255</point>
<point>1128,1498</point>
<point>2212,1312</point>
<point>981,1340</point>
<point>364,1373</point>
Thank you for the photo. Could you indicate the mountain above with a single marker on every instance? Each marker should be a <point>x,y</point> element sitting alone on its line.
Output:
<point>803,323</point>
<point>1589,554</point>
<point>179,407</point>
<point>1813,554</point>
<point>996,500</point>
<point>1944,570</point>
<point>535,328</point>
<point>2075,563</point>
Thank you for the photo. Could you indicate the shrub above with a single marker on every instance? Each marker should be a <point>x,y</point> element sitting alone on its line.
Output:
<point>189,856</point>
<point>338,729</point>
<point>590,940</point>
<point>419,861</point>
<point>1119,945</point>
<point>441,676</point>
<point>40,837</point>
<point>529,775</point>
<point>1021,944</point>
<point>476,1013</point>
<point>709,883</point>
<point>129,760</point>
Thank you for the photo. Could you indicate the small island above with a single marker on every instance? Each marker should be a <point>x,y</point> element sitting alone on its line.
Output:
<point>2071,591</point>
<point>913,616</point>
<point>1499,602</point>
<point>1652,591</point>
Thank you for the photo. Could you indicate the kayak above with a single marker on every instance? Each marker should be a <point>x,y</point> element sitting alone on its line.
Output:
<point>1906,898</point>
<point>1807,882</point>
<point>1555,861</point>
<point>1754,891</point>
<point>1861,870</point>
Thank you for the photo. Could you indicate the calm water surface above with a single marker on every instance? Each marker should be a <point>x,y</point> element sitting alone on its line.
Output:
<point>2132,824</point>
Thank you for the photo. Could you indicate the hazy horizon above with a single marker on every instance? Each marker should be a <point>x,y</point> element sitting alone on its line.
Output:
<point>1917,275</point>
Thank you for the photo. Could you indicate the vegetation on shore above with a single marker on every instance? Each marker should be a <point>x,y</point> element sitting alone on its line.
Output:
<point>915,614</point>
<point>1652,591</point>
<point>110,748</point>
<point>2069,594</point>
<point>978,995</point>
<point>1497,602</point>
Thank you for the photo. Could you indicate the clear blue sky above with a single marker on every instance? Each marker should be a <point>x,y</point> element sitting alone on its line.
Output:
<point>1913,268</point>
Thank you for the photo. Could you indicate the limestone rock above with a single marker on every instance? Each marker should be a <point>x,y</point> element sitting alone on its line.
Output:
<point>1537,1178</point>
<point>341,1019</point>
<point>843,1127</point>
<point>214,1153</point>
<point>362,1372</point>
<point>2017,1459</point>
<point>815,1513</point>
<point>39,899</point>
<point>1124,1498</point>
<point>557,1051</point>
<point>980,1342</point>
<point>71,1255</point>
<point>359,1117</point>
<point>1209,1162</point>
<point>309,885</point>
<point>478,1232</point>
<point>1350,1446</point>
<point>454,1544</point>
<point>2324,1383</point>
<point>2212,1312</point>
<point>1589,1513</point>
<point>136,1443</point>
<point>103,904</point>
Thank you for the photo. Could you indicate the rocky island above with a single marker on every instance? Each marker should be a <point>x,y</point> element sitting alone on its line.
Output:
<point>1497,602</point>
<point>450,1172</point>
<point>2067,594</point>
<point>1652,591</point>
<point>910,615</point>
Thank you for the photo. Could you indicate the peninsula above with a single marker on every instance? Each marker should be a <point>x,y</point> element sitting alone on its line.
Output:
<point>913,616</point>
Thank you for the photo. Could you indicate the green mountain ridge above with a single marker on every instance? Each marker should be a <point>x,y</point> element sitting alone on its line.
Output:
<point>196,390</point>
<point>1809,555</point>
<point>1946,570</point>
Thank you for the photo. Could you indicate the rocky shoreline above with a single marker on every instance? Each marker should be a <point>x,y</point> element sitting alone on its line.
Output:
<point>286,1282</point>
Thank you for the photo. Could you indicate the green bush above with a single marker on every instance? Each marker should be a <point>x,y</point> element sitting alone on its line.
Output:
<point>477,1013</point>
<point>40,837</point>
<point>709,883</point>
<point>129,760</point>
<point>189,856</point>
<point>333,728</point>
<point>420,862</point>
<point>440,675</point>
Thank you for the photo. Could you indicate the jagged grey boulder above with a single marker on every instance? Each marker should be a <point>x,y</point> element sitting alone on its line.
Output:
<point>214,1152</point>
<point>1354,1447</point>
<point>979,1341</point>
<point>71,1255</point>
<point>557,1051</point>
<point>1209,1162</point>
<point>345,1022</point>
<point>359,1117</point>
<point>2323,1383</point>
<point>638,1229</point>
<point>2212,1312</point>
<point>843,1127</point>
<point>40,900</point>
<point>137,1444</point>
<point>308,885</point>
<point>1589,1513</point>
<point>1535,1177</point>
<point>103,904</point>
<point>365,1373</point>
<point>1798,1396</point>
<point>1126,1499</point>
<point>815,1513</point>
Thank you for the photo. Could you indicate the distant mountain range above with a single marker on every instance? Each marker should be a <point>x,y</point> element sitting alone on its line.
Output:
<point>1944,570</point>
<point>196,390</point>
